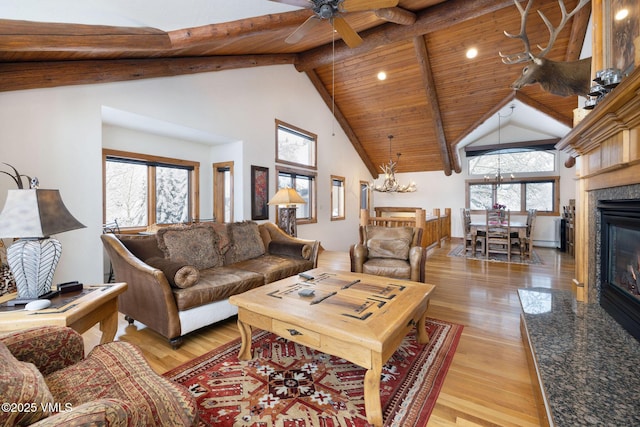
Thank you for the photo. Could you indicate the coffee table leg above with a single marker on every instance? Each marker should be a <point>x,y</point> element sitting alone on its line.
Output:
<point>421,328</point>
<point>245,348</point>
<point>372,404</point>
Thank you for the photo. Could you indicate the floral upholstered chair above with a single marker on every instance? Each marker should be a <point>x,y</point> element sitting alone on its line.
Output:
<point>44,375</point>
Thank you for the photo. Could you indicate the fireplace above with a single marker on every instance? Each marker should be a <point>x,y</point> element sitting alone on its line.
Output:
<point>620,261</point>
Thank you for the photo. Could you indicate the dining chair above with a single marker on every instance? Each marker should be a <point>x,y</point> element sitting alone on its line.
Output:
<point>499,239</point>
<point>527,248</point>
<point>471,246</point>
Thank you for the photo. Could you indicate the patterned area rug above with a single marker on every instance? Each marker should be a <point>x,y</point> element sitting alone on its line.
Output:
<point>287,384</point>
<point>458,251</point>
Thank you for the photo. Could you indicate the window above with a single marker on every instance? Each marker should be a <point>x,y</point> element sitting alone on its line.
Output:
<point>528,161</point>
<point>140,190</point>
<point>295,146</point>
<point>304,183</point>
<point>519,195</point>
<point>365,196</point>
<point>337,198</point>
<point>530,189</point>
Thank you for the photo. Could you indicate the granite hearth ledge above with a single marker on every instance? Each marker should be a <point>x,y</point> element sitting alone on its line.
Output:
<point>587,367</point>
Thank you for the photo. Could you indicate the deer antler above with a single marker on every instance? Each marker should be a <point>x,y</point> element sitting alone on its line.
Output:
<point>515,58</point>
<point>553,32</point>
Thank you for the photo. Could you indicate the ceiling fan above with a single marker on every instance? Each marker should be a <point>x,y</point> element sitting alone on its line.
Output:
<point>333,11</point>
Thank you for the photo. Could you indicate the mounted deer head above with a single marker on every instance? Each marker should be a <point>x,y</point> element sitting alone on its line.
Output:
<point>559,78</point>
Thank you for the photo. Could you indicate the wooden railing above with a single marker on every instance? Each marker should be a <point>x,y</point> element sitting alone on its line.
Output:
<point>435,228</point>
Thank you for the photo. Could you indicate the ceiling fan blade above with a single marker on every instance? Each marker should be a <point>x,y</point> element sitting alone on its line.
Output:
<point>307,4</point>
<point>358,5</point>
<point>348,34</point>
<point>302,30</point>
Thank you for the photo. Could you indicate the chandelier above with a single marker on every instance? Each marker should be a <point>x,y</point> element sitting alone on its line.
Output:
<point>390,183</point>
<point>498,178</point>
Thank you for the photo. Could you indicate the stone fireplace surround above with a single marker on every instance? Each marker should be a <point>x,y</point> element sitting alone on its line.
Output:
<point>614,193</point>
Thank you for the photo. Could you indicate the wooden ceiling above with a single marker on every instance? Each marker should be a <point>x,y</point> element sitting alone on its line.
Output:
<point>432,98</point>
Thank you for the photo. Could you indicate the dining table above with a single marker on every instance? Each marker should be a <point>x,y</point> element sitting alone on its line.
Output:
<point>516,226</point>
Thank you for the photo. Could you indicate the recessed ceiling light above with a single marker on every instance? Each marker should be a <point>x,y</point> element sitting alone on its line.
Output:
<point>472,53</point>
<point>621,14</point>
<point>382,75</point>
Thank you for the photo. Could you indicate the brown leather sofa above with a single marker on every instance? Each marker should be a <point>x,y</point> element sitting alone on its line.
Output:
<point>391,252</point>
<point>181,278</point>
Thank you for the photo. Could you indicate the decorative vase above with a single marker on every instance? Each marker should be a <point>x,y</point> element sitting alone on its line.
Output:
<point>33,262</point>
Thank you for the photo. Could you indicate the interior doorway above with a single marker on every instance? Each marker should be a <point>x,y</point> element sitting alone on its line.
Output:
<point>223,191</point>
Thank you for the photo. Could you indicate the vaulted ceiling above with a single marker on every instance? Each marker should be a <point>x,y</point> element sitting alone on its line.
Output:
<point>432,98</point>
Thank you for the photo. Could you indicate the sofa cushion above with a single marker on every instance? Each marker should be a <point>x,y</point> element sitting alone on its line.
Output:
<point>224,243</point>
<point>274,267</point>
<point>195,245</point>
<point>118,370</point>
<point>142,246</point>
<point>21,384</point>
<point>246,242</point>
<point>179,273</point>
<point>290,249</point>
<point>389,242</point>
<point>216,284</point>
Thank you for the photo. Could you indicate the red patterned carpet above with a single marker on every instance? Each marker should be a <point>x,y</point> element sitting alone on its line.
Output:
<point>287,384</point>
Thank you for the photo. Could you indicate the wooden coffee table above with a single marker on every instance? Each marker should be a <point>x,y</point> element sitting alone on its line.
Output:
<point>79,310</point>
<point>358,317</point>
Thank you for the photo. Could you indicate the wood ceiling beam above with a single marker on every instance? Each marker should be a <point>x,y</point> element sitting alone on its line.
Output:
<point>30,75</point>
<point>579,28</point>
<point>422,55</point>
<point>28,36</point>
<point>210,34</point>
<point>429,20</point>
<point>342,121</point>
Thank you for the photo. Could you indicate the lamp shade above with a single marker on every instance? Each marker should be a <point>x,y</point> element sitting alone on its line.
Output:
<point>35,213</point>
<point>287,196</point>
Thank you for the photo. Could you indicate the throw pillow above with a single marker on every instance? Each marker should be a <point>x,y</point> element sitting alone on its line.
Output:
<point>246,241</point>
<point>195,245</point>
<point>141,246</point>
<point>22,385</point>
<point>179,274</point>
<point>290,249</point>
<point>389,242</point>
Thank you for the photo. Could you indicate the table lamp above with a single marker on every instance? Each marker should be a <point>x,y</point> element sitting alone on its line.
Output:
<point>287,198</point>
<point>33,216</point>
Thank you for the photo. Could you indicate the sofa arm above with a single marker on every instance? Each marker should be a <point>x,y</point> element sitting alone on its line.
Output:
<point>49,348</point>
<point>417,261</point>
<point>148,298</point>
<point>271,232</point>
<point>111,412</point>
<point>358,254</point>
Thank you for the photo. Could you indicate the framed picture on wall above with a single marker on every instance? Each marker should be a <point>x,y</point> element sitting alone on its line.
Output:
<point>621,28</point>
<point>259,192</point>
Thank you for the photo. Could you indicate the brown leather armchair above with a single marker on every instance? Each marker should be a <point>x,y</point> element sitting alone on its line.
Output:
<point>391,252</point>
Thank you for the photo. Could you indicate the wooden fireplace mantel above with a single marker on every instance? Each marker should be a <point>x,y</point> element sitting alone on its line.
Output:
<point>607,144</point>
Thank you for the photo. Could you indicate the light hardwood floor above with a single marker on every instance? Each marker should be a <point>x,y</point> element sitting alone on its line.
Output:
<point>488,383</point>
